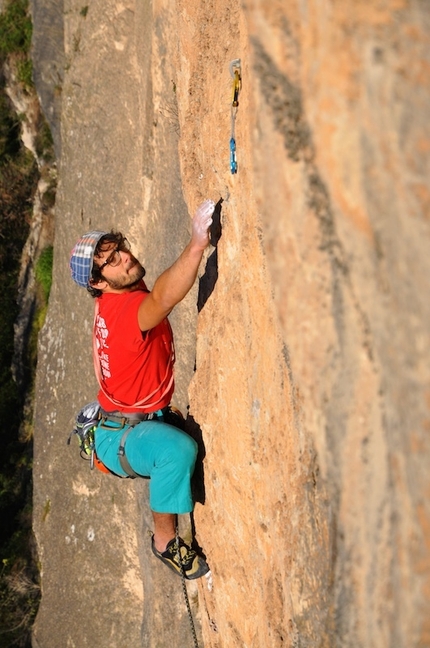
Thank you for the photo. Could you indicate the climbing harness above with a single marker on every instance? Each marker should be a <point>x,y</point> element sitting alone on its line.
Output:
<point>236,74</point>
<point>184,589</point>
<point>125,423</point>
<point>92,416</point>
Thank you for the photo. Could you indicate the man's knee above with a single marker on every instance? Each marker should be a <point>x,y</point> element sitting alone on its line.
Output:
<point>183,451</point>
<point>189,447</point>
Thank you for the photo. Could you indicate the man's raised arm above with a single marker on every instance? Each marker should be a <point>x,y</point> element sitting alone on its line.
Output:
<point>175,282</point>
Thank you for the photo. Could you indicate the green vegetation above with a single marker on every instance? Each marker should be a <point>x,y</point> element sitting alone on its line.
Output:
<point>19,589</point>
<point>15,28</point>
<point>18,603</point>
<point>44,272</point>
<point>44,143</point>
<point>15,37</point>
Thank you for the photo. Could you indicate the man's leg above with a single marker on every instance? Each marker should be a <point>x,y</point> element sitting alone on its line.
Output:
<point>164,529</point>
<point>167,455</point>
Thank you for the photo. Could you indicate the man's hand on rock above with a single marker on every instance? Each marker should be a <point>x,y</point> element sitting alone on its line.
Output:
<point>202,220</point>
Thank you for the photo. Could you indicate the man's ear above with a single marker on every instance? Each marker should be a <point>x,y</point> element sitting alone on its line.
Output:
<point>99,285</point>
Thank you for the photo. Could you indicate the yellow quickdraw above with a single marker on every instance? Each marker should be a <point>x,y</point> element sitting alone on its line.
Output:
<point>237,86</point>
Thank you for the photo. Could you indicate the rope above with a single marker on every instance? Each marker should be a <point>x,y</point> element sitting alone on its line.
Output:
<point>184,589</point>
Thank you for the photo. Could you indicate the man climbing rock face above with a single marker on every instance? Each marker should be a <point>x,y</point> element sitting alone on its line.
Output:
<point>133,361</point>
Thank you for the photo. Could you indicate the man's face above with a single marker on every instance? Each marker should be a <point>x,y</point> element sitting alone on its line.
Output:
<point>120,269</point>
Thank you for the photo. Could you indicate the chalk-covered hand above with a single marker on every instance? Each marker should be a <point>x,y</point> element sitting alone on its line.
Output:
<point>202,220</point>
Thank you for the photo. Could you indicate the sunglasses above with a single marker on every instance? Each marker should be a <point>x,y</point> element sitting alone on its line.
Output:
<point>114,258</point>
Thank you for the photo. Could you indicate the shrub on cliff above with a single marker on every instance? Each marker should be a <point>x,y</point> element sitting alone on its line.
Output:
<point>15,37</point>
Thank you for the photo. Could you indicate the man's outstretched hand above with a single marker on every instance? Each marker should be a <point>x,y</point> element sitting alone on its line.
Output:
<point>202,220</point>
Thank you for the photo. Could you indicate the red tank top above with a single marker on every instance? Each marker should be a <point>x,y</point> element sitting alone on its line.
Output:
<point>134,368</point>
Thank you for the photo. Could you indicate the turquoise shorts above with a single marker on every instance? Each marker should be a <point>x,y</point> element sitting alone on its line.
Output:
<point>156,450</point>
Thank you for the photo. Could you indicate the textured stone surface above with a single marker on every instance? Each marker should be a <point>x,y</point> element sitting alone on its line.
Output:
<point>92,529</point>
<point>47,53</point>
<point>311,386</point>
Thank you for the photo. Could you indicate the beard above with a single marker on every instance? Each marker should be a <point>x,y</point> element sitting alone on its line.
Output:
<point>129,280</point>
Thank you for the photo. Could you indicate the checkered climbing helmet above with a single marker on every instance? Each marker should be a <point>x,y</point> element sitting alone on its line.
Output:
<point>82,255</point>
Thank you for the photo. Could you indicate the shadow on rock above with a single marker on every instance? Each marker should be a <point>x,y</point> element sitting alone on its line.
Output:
<point>198,480</point>
<point>209,278</point>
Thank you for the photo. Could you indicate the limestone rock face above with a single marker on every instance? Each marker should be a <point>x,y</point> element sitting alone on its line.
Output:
<point>303,351</point>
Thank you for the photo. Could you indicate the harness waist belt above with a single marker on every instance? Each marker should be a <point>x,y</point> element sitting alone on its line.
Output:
<point>130,418</point>
<point>127,421</point>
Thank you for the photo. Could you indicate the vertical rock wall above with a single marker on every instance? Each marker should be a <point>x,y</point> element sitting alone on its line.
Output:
<point>316,415</point>
<point>118,169</point>
<point>311,382</point>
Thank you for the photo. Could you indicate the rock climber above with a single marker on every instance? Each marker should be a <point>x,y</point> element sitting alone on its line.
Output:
<point>133,360</point>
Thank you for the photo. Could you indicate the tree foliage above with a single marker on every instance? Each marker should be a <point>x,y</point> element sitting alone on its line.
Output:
<point>19,591</point>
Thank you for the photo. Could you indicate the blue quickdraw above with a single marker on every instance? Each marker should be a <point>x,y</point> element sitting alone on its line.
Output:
<point>233,161</point>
